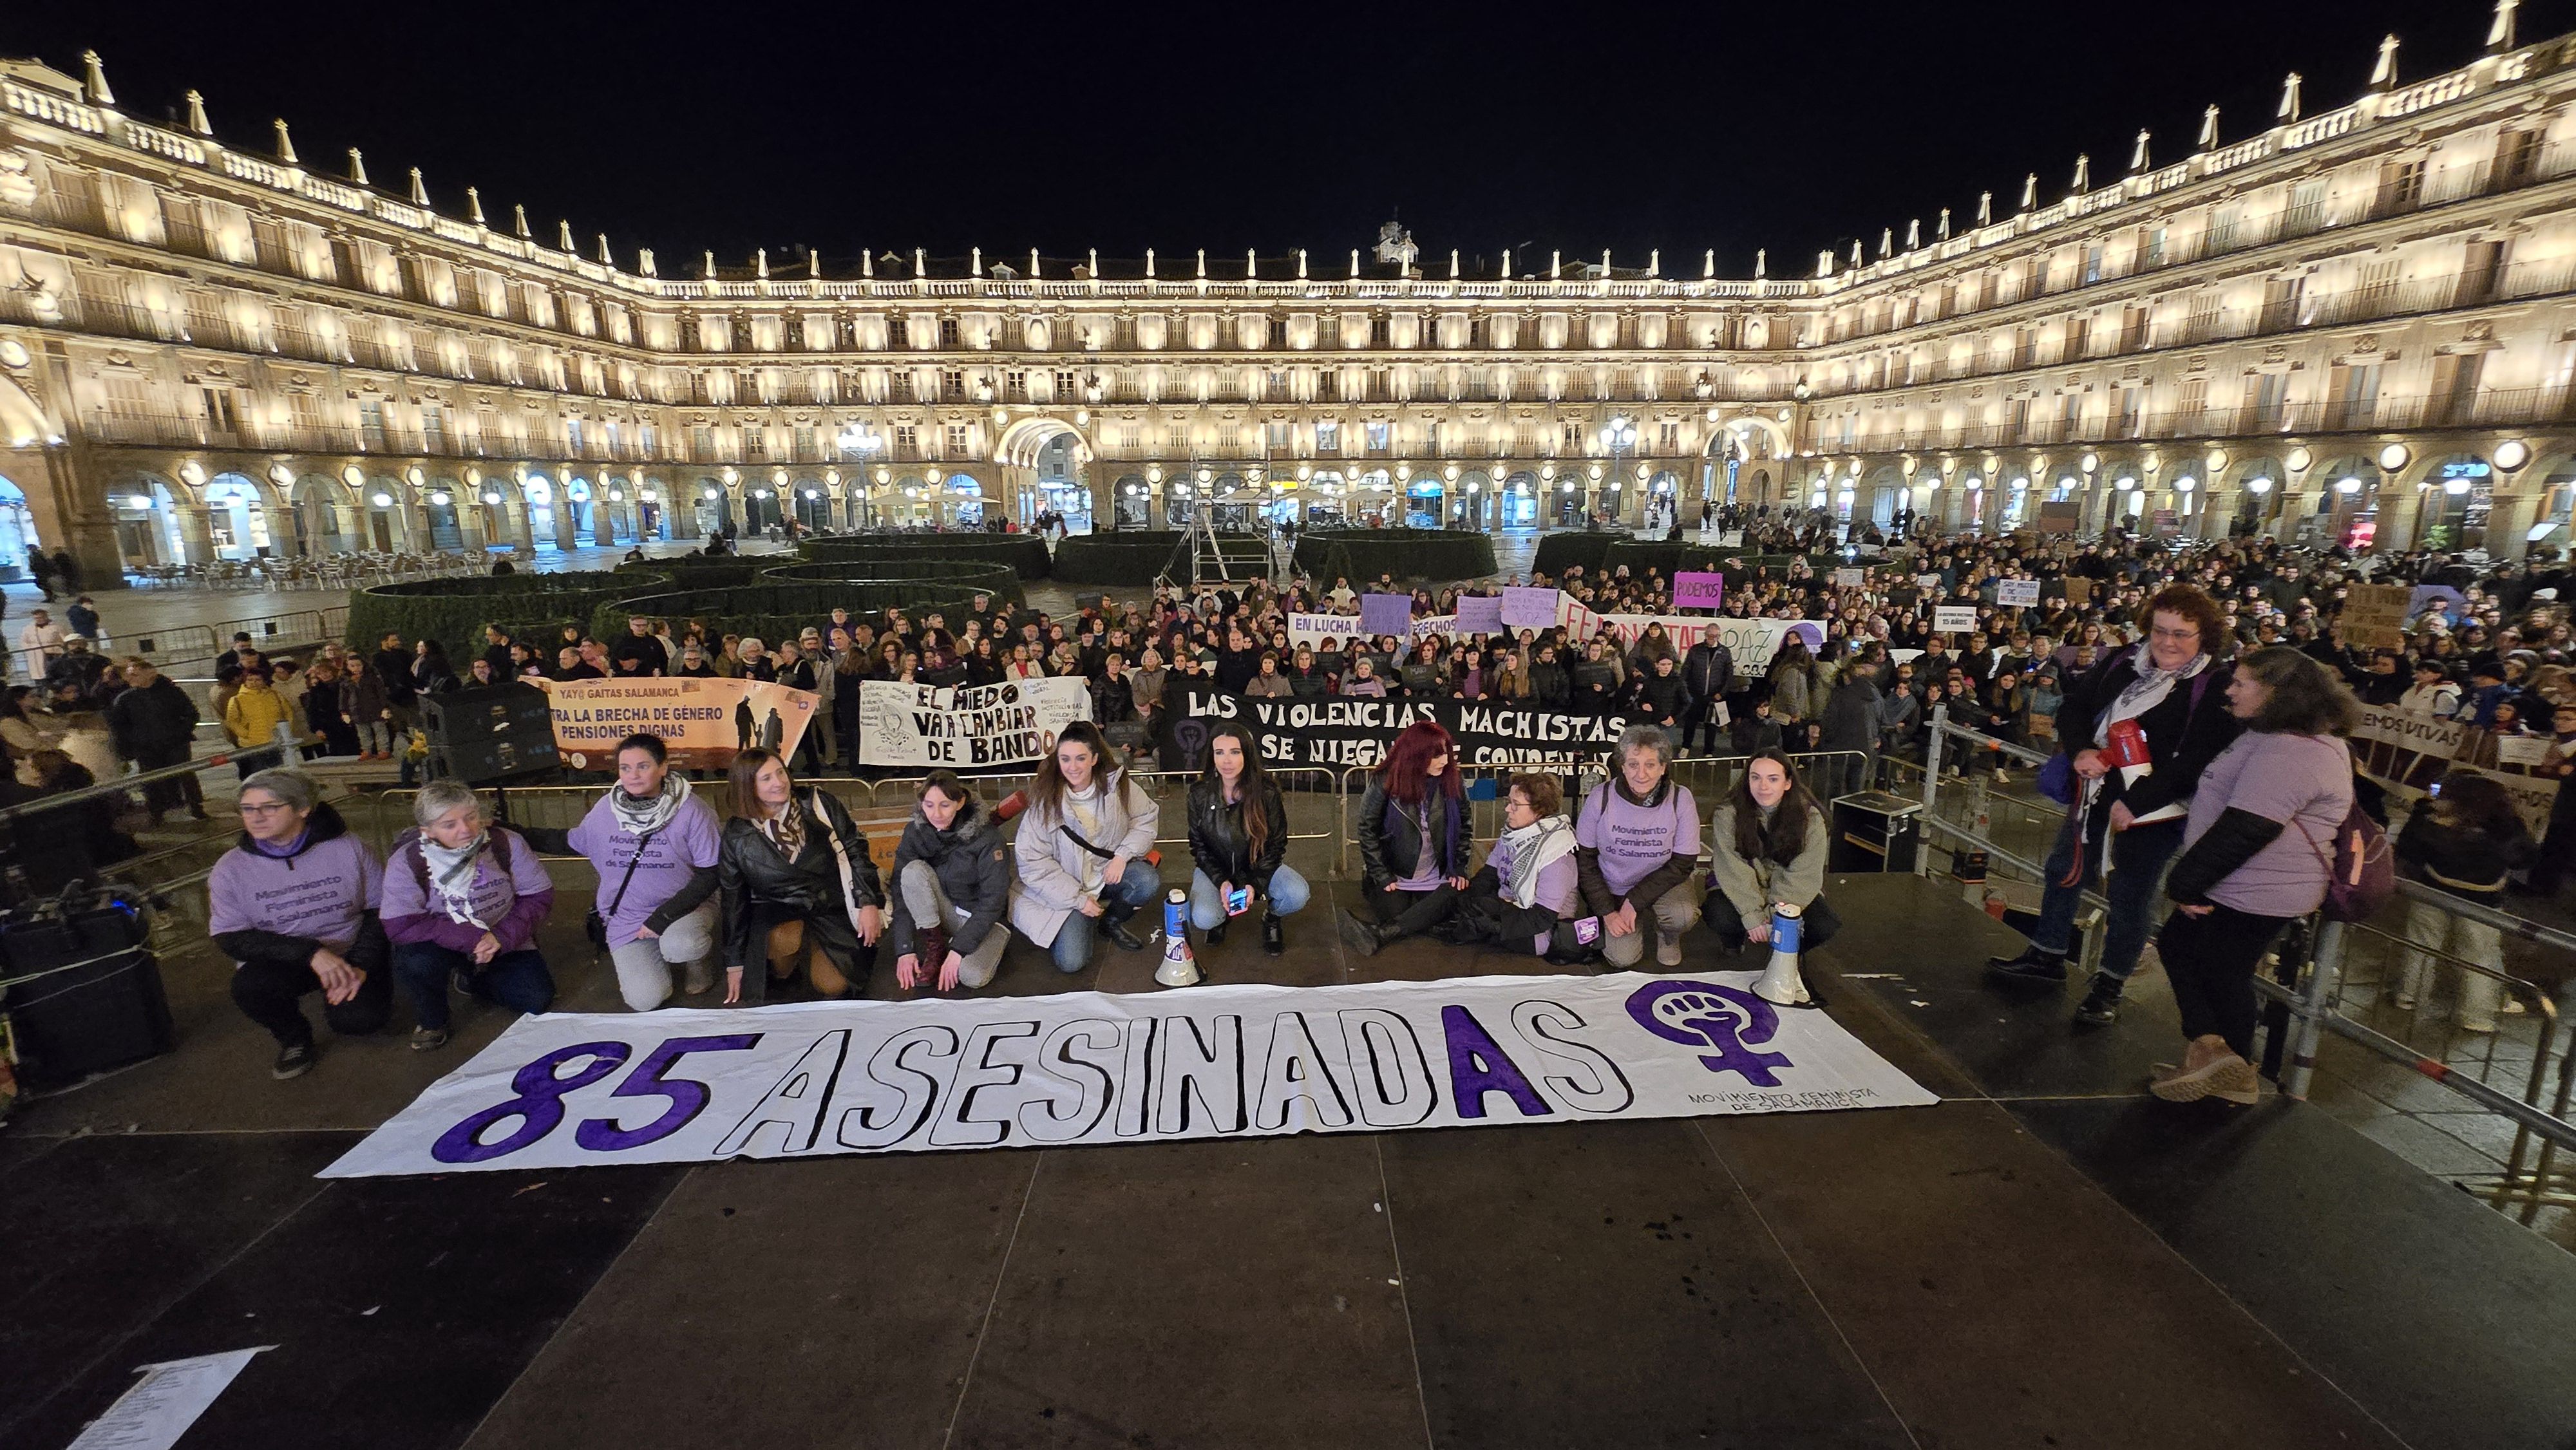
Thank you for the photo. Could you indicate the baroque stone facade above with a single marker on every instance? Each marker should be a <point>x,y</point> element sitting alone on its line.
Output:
<point>2352,325</point>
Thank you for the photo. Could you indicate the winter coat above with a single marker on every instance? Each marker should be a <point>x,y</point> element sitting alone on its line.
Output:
<point>749,870</point>
<point>974,870</point>
<point>1752,886</point>
<point>1051,865</point>
<point>1219,843</point>
<point>2184,733</point>
<point>157,720</point>
<point>1391,835</point>
<point>251,717</point>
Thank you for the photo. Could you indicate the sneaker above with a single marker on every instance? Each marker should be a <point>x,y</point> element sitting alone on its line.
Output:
<point>2402,1001</point>
<point>292,1061</point>
<point>2482,1026</point>
<point>2210,1069</point>
<point>2032,968</point>
<point>428,1039</point>
<point>1668,951</point>
<point>1274,934</point>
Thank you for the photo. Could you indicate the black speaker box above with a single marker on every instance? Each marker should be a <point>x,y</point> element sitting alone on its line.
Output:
<point>70,1021</point>
<point>490,734</point>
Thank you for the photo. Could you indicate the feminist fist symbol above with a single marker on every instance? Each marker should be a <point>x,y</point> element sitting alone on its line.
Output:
<point>1703,1014</point>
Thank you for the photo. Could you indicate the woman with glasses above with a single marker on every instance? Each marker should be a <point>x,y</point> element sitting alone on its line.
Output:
<point>294,905</point>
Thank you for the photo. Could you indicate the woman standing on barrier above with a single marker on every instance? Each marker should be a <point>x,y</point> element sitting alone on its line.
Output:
<point>1768,841</point>
<point>2142,726</point>
<point>294,905</point>
<point>2462,840</point>
<point>462,899</point>
<point>1412,830</point>
<point>952,885</point>
<point>1239,842</point>
<point>1082,854</point>
<point>2258,848</point>
<point>654,845</point>
<point>797,886</point>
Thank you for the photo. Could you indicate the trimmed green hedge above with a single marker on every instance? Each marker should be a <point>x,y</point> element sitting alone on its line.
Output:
<point>1568,547</point>
<point>1126,558</point>
<point>535,607</point>
<point>780,611</point>
<point>699,571</point>
<point>874,584</point>
<point>1025,553</point>
<point>1408,554</point>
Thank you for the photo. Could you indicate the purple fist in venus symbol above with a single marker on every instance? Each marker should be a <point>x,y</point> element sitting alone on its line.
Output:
<point>1723,1019</point>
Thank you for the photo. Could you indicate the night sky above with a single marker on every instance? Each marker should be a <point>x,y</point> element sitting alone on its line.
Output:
<point>1578,126</point>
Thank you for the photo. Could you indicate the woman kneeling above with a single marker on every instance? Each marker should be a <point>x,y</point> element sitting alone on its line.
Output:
<point>1082,858</point>
<point>463,898</point>
<point>1527,895</point>
<point>952,882</point>
<point>1239,840</point>
<point>1413,840</point>
<point>798,887</point>
<point>1767,847</point>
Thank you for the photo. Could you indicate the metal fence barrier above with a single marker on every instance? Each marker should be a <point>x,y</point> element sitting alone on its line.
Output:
<point>2337,977</point>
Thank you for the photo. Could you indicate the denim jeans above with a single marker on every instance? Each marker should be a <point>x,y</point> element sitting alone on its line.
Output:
<point>516,980</point>
<point>1289,894</point>
<point>2138,859</point>
<point>1137,888</point>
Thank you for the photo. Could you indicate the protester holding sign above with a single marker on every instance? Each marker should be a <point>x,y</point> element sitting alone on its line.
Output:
<point>1082,854</point>
<point>952,883</point>
<point>1412,831</point>
<point>2167,700</point>
<point>294,905</point>
<point>654,845</point>
<point>1637,847</point>
<point>798,888</point>
<point>1239,842</point>
<point>462,900</point>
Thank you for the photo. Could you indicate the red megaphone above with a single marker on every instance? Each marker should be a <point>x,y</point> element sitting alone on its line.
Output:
<point>2125,745</point>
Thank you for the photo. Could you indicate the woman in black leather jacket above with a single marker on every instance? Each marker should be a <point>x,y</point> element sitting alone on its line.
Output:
<point>798,886</point>
<point>1412,831</point>
<point>1239,839</point>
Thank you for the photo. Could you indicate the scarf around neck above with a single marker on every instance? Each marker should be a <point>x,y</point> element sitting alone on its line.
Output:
<point>2147,691</point>
<point>451,876</point>
<point>651,813</point>
<point>1535,847</point>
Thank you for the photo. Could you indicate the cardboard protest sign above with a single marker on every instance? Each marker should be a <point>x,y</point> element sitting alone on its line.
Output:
<point>2374,615</point>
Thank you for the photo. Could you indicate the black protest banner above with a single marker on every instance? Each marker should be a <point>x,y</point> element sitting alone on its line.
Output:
<point>1344,730</point>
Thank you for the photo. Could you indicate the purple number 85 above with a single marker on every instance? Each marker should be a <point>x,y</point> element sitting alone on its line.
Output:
<point>538,1102</point>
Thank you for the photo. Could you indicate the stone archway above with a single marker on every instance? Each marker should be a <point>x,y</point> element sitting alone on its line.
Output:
<point>1046,463</point>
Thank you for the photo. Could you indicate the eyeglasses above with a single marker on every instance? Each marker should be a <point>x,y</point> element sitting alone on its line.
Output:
<point>270,809</point>
<point>2177,634</point>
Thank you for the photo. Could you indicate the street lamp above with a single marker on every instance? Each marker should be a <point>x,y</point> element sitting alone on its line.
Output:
<point>1620,433</point>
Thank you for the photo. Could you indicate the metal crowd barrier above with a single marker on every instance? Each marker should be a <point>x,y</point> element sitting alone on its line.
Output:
<point>2336,977</point>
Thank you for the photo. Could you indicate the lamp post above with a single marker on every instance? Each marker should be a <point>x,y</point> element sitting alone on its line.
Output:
<point>1620,433</point>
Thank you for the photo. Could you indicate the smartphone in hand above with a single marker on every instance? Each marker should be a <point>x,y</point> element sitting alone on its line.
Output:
<point>1238,901</point>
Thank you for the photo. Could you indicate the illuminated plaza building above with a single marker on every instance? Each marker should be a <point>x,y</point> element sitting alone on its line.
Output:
<point>2350,324</point>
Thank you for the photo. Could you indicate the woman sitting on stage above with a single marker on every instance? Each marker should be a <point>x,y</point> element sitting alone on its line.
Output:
<point>952,883</point>
<point>1082,850</point>
<point>1413,840</point>
<point>797,885</point>
<point>463,897</point>
<point>654,845</point>
<point>1239,839</point>
<point>1767,845</point>
<point>1527,895</point>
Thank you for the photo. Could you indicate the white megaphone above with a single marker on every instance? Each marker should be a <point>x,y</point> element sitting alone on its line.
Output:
<point>1780,982</point>
<point>1179,968</point>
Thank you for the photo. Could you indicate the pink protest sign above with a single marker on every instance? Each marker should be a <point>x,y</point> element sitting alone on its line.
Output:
<point>1698,590</point>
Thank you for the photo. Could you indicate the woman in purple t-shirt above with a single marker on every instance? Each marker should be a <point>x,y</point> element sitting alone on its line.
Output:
<point>2257,847</point>
<point>464,896</point>
<point>654,845</point>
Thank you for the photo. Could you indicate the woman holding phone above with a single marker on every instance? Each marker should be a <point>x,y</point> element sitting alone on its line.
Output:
<point>1239,842</point>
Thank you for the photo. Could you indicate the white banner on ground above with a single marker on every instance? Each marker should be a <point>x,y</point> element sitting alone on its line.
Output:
<point>1311,630</point>
<point>932,725</point>
<point>561,1090</point>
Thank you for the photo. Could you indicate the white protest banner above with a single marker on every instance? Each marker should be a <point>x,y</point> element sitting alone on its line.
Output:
<point>702,722</point>
<point>1311,630</point>
<point>2017,593</point>
<point>1954,618</point>
<point>1002,724</point>
<point>160,1407</point>
<point>1849,578</point>
<point>1752,641</point>
<point>562,1090</point>
<point>1927,581</point>
<point>2534,796</point>
<point>1431,624</point>
<point>2521,750</point>
<point>2411,730</point>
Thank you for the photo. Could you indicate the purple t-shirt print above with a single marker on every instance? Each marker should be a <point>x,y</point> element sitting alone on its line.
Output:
<point>320,894</point>
<point>1635,840</point>
<point>676,851</point>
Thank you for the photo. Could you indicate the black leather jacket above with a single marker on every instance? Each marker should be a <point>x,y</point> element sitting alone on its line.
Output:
<point>1390,835</point>
<point>1219,844</point>
<point>749,870</point>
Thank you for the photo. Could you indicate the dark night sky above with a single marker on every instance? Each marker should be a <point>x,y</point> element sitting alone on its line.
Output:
<point>1580,126</point>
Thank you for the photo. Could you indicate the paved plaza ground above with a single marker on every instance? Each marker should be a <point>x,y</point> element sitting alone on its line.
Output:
<point>2045,1258</point>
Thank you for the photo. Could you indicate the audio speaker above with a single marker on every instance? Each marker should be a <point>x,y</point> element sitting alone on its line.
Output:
<point>491,734</point>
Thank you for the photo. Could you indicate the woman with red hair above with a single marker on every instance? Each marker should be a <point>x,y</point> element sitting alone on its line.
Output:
<point>1413,840</point>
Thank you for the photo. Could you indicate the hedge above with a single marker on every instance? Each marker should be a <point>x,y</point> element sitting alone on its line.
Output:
<point>874,584</point>
<point>1134,558</point>
<point>777,611</point>
<point>1562,550</point>
<point>1362,555</point>
<point>534,607</point>
<point>700,571</point>
<point>1025,553</point>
